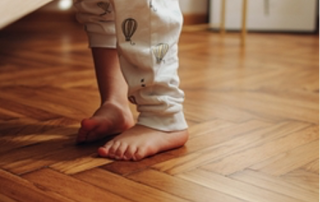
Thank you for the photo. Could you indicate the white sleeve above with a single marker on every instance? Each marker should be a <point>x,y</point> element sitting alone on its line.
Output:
<point>98,18</point>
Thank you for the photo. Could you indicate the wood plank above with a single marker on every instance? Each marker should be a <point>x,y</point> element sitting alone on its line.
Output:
<point>312,167</point>
<point>45,160</point>
<point>66,79</point>
<point>70,187</point>
<point>6,125</point>
<point>216,137</point>
<point>42,101</point>
<point>29,111</point>
<point>13,187</point>
<point>276,185</point>
<point>210,110</point>
<point>303,179</point>
<point>5,198</point>
<point>208,127</point>
<point>123,187</point>
<point>38,156</point>
<point>179,187</point>
<point>80,164</point>
<point>226,149</point>
<point>254,103</point>
<point>16,74</point>
<point>256,154</point>
<point>7,115</point>
<point>285,162</point>
<point>234,188</point>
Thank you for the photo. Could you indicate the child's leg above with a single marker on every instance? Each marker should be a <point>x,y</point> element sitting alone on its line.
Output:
<point>114,115</point>
<point>147,36</point>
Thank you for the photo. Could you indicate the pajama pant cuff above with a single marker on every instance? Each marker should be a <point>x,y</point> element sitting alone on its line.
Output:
<point>176,122</point>
<point>101,40</point>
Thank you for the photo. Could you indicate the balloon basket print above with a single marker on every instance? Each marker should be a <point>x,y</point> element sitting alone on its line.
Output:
<point>160,50</point>
<point>105,6</point>
<point>129,27</point>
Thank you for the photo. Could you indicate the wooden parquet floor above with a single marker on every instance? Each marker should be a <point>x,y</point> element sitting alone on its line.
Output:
<point>253,114</point>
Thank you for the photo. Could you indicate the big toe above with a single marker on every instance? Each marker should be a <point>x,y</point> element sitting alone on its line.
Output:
<point>89,124</point>
<point>93,129</point>
<point>103,152</point>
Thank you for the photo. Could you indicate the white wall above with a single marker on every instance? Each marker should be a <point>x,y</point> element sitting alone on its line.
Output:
<point>271,15</point>
<point>194,6</point>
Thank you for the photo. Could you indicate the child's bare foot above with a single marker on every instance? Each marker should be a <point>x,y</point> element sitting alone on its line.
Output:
<point>139,142</point>
<point>109,119</point>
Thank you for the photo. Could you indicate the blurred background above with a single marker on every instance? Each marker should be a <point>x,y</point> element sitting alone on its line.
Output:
<point>262,15</point>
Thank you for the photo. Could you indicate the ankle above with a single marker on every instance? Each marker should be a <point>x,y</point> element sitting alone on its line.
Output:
<point>114,101</point>
<point>120,109</point>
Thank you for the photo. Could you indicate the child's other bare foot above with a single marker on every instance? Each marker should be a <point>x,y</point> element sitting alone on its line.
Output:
<point>139,142</point>
<point>109,119</point>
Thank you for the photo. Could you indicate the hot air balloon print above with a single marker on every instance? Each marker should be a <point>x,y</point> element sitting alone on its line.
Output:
<point>129,26</point>
<point>160,50</point>
<point>105,6</point>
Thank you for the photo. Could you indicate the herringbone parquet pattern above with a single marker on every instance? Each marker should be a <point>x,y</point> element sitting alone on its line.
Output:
<point>253,116</point>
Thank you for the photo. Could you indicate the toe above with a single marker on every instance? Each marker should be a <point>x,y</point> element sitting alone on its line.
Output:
<point>88,124</point>
<point>140,154</point>
<point>85,132</point>
<point>105,150</point>
<point>144,151</point>
<point>129,153</point>
<point>119,154</point>
<point>113,149</point>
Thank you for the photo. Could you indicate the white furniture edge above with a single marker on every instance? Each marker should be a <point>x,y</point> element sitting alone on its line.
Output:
<point>12,10</point>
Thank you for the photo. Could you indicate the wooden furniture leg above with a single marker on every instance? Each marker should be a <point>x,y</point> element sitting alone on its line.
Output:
<point>244,22</point>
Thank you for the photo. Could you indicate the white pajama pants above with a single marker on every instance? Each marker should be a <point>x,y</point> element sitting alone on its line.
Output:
<point>145,33</point>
